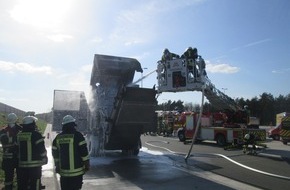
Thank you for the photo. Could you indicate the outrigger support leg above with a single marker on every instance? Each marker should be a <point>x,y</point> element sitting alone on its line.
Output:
<point>197,127</point>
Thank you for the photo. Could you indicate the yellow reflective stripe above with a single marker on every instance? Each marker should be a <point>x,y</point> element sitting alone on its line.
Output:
<point>8,153</point>
<point>8,182</point>
<point>72,171</point>
<point>71,152</point>
<point>39,141</point>
<point>8,145</point>
<point>72,174</point>
<point>284,133</point>
<point>43,154</point>
<point>67,139</point>
<point>286,118</point>
<point>82,143</point>
<point>7,156</point>
<point>38,184</point>
<point>9,139</point>
<point>30,164</point>
<point>26,137</point>
<point>85,158</point>
<point>54,148</point>
<point>75,172</point>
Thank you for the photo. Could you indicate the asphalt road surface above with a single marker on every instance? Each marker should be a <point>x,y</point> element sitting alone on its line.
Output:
<point>270,169</point>
<point>161,165</point>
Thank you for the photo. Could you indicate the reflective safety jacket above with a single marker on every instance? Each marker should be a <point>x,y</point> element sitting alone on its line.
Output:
<point>69,150</point>
<point>190,54</point>
<point>8,137</point>
<point>31,149</point>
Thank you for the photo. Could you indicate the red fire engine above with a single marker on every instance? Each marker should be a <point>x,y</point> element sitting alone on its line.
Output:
<point>217,127</point>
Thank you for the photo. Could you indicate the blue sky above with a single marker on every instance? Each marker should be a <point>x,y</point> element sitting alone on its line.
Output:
<point>50,44</point>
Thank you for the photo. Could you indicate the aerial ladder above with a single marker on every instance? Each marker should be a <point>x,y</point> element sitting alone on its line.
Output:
<point>182,74</point>
<point>175,76</point>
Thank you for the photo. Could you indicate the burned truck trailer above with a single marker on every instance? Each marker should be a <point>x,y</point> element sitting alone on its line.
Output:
<point>120,110</point>
<point>74,103</point>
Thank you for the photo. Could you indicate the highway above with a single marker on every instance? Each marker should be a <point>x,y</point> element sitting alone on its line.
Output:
<point>161,165</point>
<point>268,170</point>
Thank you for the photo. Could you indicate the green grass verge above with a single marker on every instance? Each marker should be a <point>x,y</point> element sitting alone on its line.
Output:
<point>1,171</point>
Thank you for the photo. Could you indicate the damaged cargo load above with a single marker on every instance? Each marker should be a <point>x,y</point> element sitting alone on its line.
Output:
<point>120,110</point>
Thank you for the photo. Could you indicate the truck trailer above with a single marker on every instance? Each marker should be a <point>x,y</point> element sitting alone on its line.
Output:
<point>120,110</point>
<point>68,102</point>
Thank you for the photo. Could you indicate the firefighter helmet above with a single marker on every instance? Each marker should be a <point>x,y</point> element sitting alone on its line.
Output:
<point>29,120</point>
<point>189,48</point>
<point>12,118</point>
<point>68,119</point>
<point>247,137</point>
<point>166,51</point>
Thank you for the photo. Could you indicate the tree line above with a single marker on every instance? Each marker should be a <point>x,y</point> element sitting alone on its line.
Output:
<point>265,107</point>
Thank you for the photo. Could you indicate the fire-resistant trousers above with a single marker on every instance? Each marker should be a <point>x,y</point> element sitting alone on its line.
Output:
<point>29,178</point>
<point>9,165</point>
<point>71,183</point>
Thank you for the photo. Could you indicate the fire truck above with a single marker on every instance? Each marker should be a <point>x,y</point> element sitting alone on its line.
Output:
<point>274,132</point>
<point>215,127</point>
<point>285,130</point>
<point>227,126</point>
<point>170,121</point>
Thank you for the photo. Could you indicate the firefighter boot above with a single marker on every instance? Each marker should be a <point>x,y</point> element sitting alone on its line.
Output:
<point>244,149</point>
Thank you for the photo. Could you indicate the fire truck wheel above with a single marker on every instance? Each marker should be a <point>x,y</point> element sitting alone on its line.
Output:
<point>276,137</point>
<point>181,136</point>
<point>221,140</point>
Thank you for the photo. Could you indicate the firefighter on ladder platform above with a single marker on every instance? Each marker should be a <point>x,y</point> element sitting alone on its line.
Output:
<point>8,140</point>
<point>191,55</point>
<point>32,155</point>
<point>167,55</point>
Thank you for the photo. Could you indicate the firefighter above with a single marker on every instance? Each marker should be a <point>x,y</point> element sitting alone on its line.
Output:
<point>70,153</point>
<point>201,66</point>
<point>249,139</point>
<point>32,155</point>
<point>8,140</point>
<point>191,55</point>
<point>167,55</point>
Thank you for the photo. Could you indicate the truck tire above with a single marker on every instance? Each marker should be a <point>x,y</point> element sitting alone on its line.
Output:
<point>136,152</point>
<point>137,148</point>
<point>276,137</point>
<point>221,140</point>
<point>181,135</point>
<point>285,142</point>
